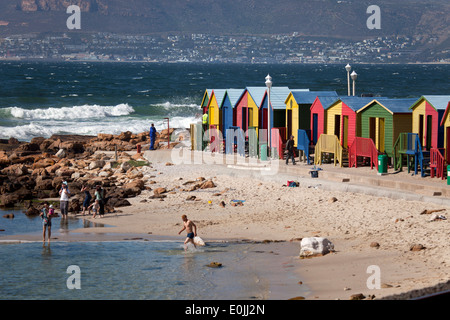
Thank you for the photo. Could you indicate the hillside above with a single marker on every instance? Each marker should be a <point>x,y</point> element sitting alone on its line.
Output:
<point>427,19</point>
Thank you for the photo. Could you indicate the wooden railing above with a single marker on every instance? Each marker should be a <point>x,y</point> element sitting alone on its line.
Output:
<point>409,144</point>
<point>328,144</point>
<point>437,163</point>
<point>362,147</point>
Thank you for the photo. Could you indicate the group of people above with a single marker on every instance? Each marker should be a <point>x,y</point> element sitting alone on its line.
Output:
<point>47,212</point>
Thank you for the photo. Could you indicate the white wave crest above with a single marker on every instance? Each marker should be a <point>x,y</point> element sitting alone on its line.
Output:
<point>72,126</point>
<point>169,105</point>
<point>76,112</point>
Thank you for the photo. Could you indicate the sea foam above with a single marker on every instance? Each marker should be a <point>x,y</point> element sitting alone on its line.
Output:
<point>75,112</point>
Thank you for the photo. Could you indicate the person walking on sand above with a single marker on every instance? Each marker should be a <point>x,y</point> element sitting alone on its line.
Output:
<point>290,150</point>
<point>152,136</point>
<point>87,198</point>
<point>46,221</point>
<point>99,197</point>
<point>191,230</point>
<point>64,200</point>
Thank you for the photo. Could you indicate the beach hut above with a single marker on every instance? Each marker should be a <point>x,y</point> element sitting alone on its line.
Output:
<point>445,124</point>
<point>214,114</point>
<point>246,109</point>
<point>341,118</point>
<point>382,120</point>
<point>227,108</point>
<point>298,109</point>
<point>205,100</point>
<point>278,97</point>
<point>427,114</point>
<point>317,117</point>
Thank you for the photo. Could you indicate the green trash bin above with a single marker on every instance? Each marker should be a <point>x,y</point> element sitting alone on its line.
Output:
<point>382,164</point>
<point>448,175</point>
<point>263,152</point>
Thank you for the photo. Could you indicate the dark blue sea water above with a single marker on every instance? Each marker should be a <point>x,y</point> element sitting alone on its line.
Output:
<point>41,99</point>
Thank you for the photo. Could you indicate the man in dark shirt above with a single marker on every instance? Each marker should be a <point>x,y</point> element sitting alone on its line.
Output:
<point>290,150</point>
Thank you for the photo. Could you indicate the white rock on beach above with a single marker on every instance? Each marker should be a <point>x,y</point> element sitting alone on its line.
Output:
<point>314,246</point>
<point>199,241</point>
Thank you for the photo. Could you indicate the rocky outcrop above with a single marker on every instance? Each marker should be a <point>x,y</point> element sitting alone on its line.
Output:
<point>36,169</point>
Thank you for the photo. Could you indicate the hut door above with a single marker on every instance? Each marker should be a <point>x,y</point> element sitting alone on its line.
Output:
<point>447,149</point>
<point>381,129</point>
<point>428,143</point>
<point>289,124</point>
<point>421,129</point>
<point>337,125</point>
<point>373,130</point>
<point>345,132</point>
<point>244,119</point>
<point>315,129</point>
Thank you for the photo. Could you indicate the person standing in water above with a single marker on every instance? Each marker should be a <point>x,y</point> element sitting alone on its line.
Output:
<point>46,221</point>
<point>64,200</point>
<point>191,230</point>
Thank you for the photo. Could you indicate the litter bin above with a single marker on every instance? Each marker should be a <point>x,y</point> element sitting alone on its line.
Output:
<point>448,175</point>
<point>382,164</point>
<point>263,152</point>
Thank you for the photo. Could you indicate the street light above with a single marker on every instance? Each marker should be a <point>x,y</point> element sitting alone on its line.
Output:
<point>354,75</point>
<point>348,68</point>
<point>269,85</point>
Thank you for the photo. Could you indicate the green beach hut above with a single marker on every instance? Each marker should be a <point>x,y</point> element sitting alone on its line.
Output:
<point>383,120</point>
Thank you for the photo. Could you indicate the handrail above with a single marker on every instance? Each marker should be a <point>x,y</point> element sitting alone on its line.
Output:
<point>437,162</point>
<point>363,147</point>
<point>409,144</point>
<point>331,144</point>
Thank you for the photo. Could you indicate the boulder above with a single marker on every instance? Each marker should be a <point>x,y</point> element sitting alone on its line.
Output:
<point>159,191</point>
<point>96,164</point>
<point>315,246</point>
<point>61,153</point>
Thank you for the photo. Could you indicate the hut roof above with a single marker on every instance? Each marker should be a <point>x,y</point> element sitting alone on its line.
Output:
<point>233,95</point>
<point>304,96</point>
<point>219,94</point>
<point>278,97</point>
<point>257,93</point>
<point>393,105</point>
<point>356,103</point>
<point>439,102</point>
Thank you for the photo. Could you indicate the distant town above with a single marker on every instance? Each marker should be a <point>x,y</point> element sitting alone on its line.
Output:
<point>206,48</point>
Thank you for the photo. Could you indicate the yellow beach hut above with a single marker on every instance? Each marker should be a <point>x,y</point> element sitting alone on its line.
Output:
<point>298,109</point>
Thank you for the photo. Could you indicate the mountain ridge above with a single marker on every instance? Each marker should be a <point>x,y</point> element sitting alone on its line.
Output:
<point>325,18</point>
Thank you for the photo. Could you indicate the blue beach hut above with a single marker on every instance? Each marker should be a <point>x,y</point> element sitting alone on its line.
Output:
<point>227,107</point>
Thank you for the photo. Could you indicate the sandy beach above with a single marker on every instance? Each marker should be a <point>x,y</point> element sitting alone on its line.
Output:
<point>352,221</point>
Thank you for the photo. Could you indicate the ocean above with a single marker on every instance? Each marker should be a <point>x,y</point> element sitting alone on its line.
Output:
<point>139,268</point>
<point>45,98</point>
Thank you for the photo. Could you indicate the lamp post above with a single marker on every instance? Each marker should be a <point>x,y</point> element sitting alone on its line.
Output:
<point>348,68</point>
<point>269,85</point>
<point>354,75</point>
